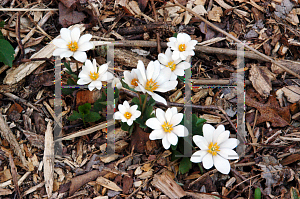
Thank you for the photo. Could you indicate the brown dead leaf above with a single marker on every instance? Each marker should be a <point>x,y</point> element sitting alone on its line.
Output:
<point>127,184</point>
<point>261,80</point>
<point>4,192</point>
<point>292,93</point>
<point>5,175</point>
<point>215,14</point>
<point>68,17</point>
<point>271,111</point>
<point>139,139</point>
<point>69,3</point>
<point>143,4</point>
<point>86,96</point>
<point>108,184</point>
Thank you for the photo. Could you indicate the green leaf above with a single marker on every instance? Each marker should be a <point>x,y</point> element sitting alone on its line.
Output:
<point>85,108</point>
<point>92,117</point>
<point>2,24</point>
<point>6,52</point>
<point>257,193</point>
<point>294,193</point>
<point>69,91</point>
<point>124,85</point>
<point>185,165</point>
<point>181,78</point>
<point>100,104</point>
<point>174,155</point>
<point>130,130</point>
<point>74,116</point>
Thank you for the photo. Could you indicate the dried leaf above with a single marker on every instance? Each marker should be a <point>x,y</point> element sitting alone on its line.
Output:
<point>35,139</point>
<point>290,159</point>
<point>215,14</point>
<point>127,184</point>
<point>292,93</point>
<point>271,111</point>
<point>139,139</point>
<point>68,16</point>
<point>14,174</point>
<point>4,192</point>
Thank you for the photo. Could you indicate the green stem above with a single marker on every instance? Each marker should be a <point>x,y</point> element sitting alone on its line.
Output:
<point>200,167</point>
<point>144,105</point>
<point>77,68</point>
<point>140,99</point>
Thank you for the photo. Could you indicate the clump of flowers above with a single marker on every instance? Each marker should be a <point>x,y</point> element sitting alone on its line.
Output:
<point>160,76</point>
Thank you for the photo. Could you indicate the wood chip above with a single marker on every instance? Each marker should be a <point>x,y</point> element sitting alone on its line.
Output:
<point>108,184</point>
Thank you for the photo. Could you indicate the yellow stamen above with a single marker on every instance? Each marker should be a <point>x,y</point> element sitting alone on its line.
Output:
<point>171,65</point>
<point>134,82</point>
<point>213,148</point>
<point>181,47</point>
<point>94,76</point>
<point>167,127</point>
<point>73,46</point>
<point>127,115</point>
<point>151,85</point>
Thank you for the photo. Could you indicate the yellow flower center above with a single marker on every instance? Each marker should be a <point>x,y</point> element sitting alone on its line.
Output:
<point>213,148</point>
<point>73,46</point>
<point>151,85</point>
<point>167,127</point>
<point>181,47</point>
<point>134,82</point>
<point>127,115</point>
<point>94,76</point>
<point>171,65</point>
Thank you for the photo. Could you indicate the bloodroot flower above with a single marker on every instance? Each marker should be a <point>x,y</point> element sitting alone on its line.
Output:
<point>177,66</point>
<point>166,127</point>
<point>154,79</point>
<point>127,113</point>
<point>216,148</point>
<point>182,46</point>
<point>131,78</point>
<point>71,44</point>
<point>93,75</point>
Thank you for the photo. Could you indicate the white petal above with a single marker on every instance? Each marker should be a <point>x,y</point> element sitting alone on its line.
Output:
<point>198,156</point>
<point>153,123</point>
<point>176,55</point>
<point>141,71</point>
<point>164,75</point>
<point>160,114</point>
<point>167,86</point>
<point>228,154</point>
<point>166,143</point>
<point>159,98</point>
<point>191,45</point>
<point>178,72</point>
<point>168,53</point>
<point>188,52</point>
<point>221,164</point>
<point>59,51</point>
<point>157,70</point>
<point>180,131</point>
<point>80,56</point>
<point>184,65</point>
<point>220,129</point>
<point>65,34</point>
<point>133,108</point>
<point>98,84</point>
<point>84,38</point>
<point>117,116</point>
<point>176,119</point>
<point>157,134</point>
<point>88,67</point>
<point>60,43</point>
<point>126,104</point>
<point>66,53</point>
<point>85,46</point>
<point>208,131</point>
<point>223,137</point>
<point>174,110</point>
<point>183,55</point>
<point>150,70</point>
<point>83,81</point>
<point>168,115</point>
<point>172,138</point>
<point>207,161</point>
<point>173,77</point>
<point>106,76</point>
<point>231,143</point>
<point>136,114</point>
<point>127,78</point>
<point>163,59</point>
<point>91,86</point>
<point>75,34</point>
<point>183,38</point>
<point>129,122</point>
<point>122,109</point>
<point>201,142</point>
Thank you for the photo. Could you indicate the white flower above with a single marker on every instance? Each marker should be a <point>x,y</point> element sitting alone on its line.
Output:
<point>216,148</point>
<point>182,46</point>
<point>71,44</point>
<point>177,67</point>
<point>131,78</point>
<point>166,127</point>
<point>116,83</point>
<point>154,79</point>
<point>93,75</point>
<point>126,113</point>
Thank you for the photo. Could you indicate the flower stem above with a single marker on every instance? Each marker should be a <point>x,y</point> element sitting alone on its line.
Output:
<point>144,105</point>
<point>77,68</point>
<point>140,99</point>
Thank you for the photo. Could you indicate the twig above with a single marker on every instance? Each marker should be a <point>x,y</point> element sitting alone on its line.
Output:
<point>18,36</point>
<point>157,33</point>
<point>237,40</point>
<point>14,97</point>
<point>28,9</point>
<point>9,136</point>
